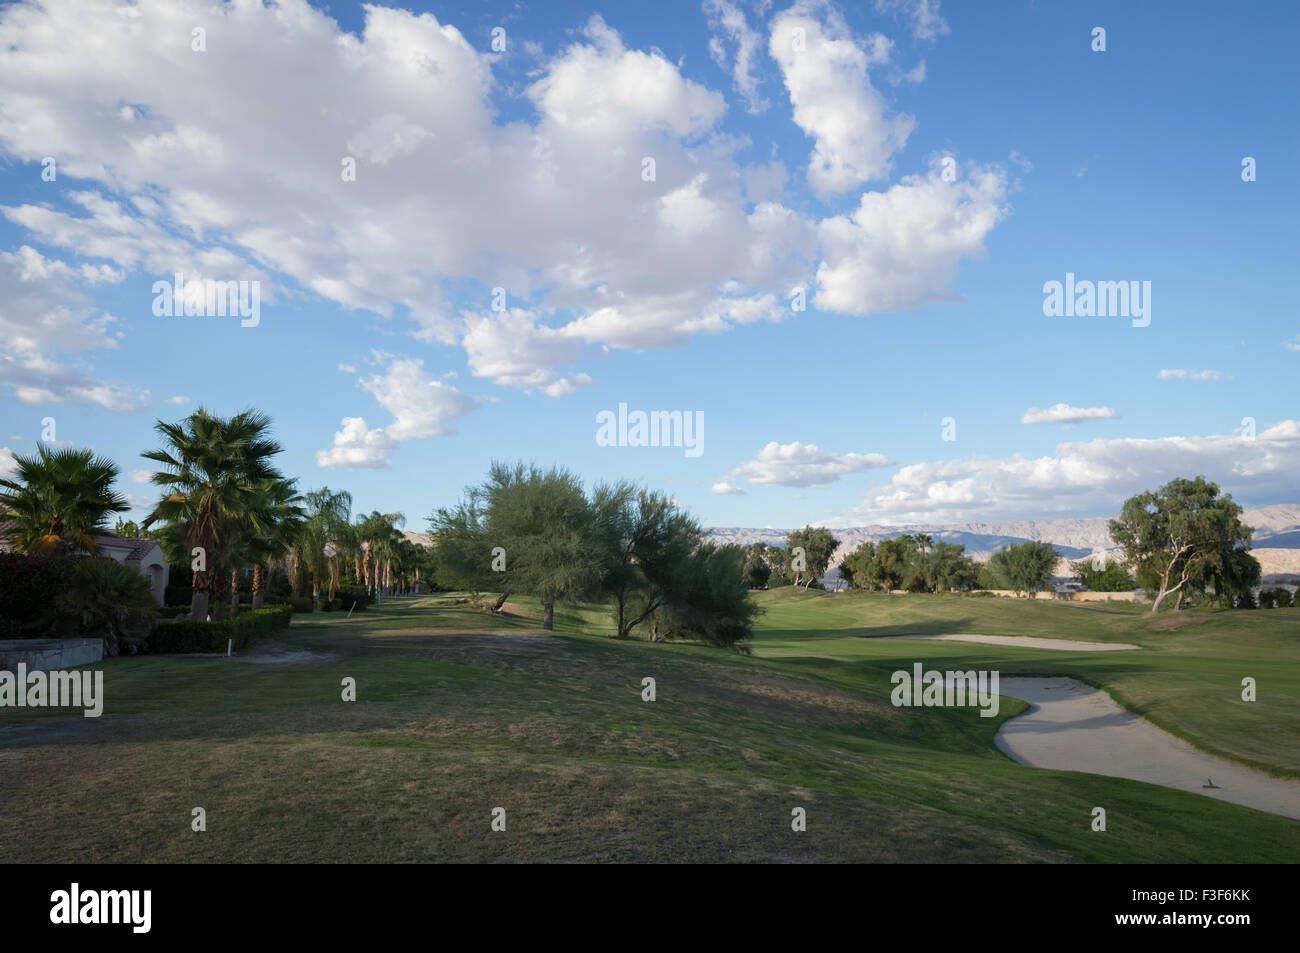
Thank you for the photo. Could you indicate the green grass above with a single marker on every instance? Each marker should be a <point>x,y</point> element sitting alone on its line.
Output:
<point>453,719</point>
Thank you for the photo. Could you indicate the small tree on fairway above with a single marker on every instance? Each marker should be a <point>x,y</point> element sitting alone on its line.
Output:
<point>1027,566</point>
<point>542,521</point>
<point>819,546</point>
<point>714,604</point>
<point>649,543</point>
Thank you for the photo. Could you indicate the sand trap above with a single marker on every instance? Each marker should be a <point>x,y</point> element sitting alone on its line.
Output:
<point>1025,641</point>
<point>1071,726</point>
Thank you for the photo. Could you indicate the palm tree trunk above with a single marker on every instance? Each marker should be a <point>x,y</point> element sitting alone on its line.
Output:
<point>220,596</point>
<point>200,584</point>
<point>234,593</point>
<point>257,587</point>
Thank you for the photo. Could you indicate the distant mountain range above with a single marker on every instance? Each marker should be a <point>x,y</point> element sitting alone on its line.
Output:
<point>1276,538</point>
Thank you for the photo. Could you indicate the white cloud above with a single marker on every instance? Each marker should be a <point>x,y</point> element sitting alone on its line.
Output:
<point>1065,414</point>
<point>798,464</point>
<point>45,312</point>
<point>38,380</point>
<point>141,476</point>
<point>422,406</point>
<point>1293,345</point>
<point>724,488</point>
<point>1180,374</point>
<point>178,399</point>
<point>357,447</point>
<point>926,21</point>
<point>833,99</point>
<point>1092,477</point>
<point>729,20</point>
<point>448,195</point>
<point>7,465</point>
<point>514,351</point>
<point>900,249</point>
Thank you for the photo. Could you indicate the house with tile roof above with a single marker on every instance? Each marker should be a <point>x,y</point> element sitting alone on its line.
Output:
<point>145,556</point>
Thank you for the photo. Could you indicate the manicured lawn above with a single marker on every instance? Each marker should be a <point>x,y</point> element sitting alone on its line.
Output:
<point>459,712</point>
<point>1186,678</point>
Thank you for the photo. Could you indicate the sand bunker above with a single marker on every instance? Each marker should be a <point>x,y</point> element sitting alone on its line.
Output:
<point>1071,726</point>
<point>1026,641</point>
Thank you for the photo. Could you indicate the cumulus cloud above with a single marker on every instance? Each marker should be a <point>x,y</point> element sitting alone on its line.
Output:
<point>357,447</point>
<point>723,488</point>
<point>421,405</point>
<point>8,466</point>
<point>799,464</point>
<point>900,249</point>
<point>826,74</point>
<point>178,173</point>
<point>1065,414</point>
<point>178,399</point>
<point>1092,477</point>
<point>514,350</point>
<point>141,476</point>
<point>1182,374</point>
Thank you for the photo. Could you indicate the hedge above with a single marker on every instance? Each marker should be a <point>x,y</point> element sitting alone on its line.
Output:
<point>29,585</point>
<point>187,636</point>
<point>177,595</point>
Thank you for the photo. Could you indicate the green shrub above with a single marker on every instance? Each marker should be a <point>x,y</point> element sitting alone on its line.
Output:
<point>187,636</point>
<point>107,600</point>
<point>346,595</point>
<point>1275,598</point>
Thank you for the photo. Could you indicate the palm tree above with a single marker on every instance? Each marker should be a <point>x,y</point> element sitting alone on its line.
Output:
<point>375,533</point>
<point>59,500</point>
<point>317,544</point>
<point>211,467</point>
<point>277,521</point>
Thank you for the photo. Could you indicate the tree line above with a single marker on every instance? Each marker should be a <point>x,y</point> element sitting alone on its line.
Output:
<point>1184,539</point>
<point>535,531</point>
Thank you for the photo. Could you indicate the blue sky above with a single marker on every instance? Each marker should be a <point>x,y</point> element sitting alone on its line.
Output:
<point>521,170</point>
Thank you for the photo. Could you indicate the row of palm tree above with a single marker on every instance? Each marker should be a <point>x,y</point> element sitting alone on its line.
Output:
<point>226,510</point>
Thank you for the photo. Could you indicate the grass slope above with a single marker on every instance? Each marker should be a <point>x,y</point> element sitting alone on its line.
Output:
<point>459,712</point>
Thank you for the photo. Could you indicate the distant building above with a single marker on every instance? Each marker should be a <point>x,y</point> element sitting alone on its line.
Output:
<point>145,556</point>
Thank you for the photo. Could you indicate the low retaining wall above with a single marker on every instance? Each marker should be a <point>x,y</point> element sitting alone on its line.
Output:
<point>47,655</point>
<point>1070,596</point>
